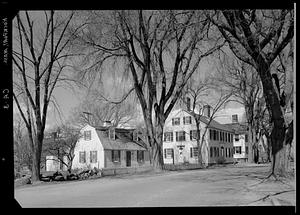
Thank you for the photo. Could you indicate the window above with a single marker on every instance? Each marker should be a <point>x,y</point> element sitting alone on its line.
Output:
<point>87,135</point>
<point>215,151</point>
<point>222,151</point>
<point>246,138</point>
<point>210,134</point>
<point>214,134</point>
<point>140,156</point>
<point>168,153</point>
<point>218,135</point>
<point>176,121</point>
<point>211,151</point>
<point>231,138</point>
<point>238,150</point>
<point>225,137</point>
<point>235,118</point>
<point>218,152</point>
<point>180,135</point>
<point>82,157</point>
<point>236,137</point>
<point>247,150</point>
<point>193,135</point>
<point>221,135</point>
<point>116,155</point>
<point>93,156</point>
<point>228,138</point>
<point>194,152</point>
<point>168,136</point>
<point>187,120</point>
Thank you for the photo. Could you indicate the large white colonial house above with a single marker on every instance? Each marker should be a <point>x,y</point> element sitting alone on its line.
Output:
<point>180,145</point>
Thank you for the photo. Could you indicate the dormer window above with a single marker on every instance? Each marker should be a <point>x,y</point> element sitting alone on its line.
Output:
<point>87,135</point>
<point>234,118</point>
<point>135,136</point>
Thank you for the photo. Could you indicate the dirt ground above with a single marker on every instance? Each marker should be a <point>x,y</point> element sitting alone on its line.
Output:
<point>233,185</point>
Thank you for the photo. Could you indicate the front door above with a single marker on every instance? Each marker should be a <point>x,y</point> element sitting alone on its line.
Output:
<point>128,158</point>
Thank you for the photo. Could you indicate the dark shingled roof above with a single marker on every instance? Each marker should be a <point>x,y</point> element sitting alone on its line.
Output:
<point>123,140</point>
<point>239,128</point>
<point>214,123</point>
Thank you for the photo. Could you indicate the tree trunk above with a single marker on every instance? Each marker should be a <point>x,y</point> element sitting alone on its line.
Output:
<point>69,167</point>
<point>199,143</point>
<point>157,146</point>
<point>35,175</point>
<point>250,145</point>
<point>272,97</point>
<point>280,163</point>
<point>36,160</point>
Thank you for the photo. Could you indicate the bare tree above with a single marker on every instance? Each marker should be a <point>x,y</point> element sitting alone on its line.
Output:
<point>95,111</point>
<point>40,55</point>
<point>62,143</point>
<point>243,82</point>
<point>257,37</point>
<point>160,50</point>
<point>22,153</point>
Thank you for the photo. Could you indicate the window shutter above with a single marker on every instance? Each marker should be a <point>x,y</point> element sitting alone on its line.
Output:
<point>172,136</point>
<point>191,152</point>
<point>165,153</point>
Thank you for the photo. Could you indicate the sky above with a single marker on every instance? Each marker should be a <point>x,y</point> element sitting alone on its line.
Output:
<point>67,99</point>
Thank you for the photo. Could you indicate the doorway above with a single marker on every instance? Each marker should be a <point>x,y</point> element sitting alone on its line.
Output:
<point>128,158</point>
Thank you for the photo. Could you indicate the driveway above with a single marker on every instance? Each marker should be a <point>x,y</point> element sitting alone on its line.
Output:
<point>221,186</point>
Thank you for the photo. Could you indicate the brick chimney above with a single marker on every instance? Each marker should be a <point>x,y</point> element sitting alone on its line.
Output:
<point>188,104</point>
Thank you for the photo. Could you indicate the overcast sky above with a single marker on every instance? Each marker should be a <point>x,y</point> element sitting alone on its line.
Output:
<point>68,99</point>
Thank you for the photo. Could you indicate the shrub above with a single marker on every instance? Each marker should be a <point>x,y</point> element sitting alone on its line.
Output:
<point>220,160</point>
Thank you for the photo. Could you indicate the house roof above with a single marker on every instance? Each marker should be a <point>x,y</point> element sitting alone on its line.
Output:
<point>123,140</point>
<point>239,128</point>
<point>213,123</point>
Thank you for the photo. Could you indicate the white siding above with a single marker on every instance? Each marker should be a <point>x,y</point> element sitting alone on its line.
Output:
<point>187,143</point>
<point>89,145</point>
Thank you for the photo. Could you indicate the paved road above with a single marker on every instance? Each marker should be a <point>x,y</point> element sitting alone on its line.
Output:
<point>210,187</point>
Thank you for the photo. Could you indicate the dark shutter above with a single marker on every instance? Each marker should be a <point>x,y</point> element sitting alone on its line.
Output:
<point>191,152</point>
<point>165,153</point>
